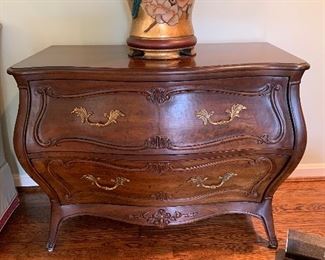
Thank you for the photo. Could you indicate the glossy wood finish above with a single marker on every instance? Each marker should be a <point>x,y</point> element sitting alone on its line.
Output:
<point>217,57</point>
<point>296,205</point>
<point>190,139</point>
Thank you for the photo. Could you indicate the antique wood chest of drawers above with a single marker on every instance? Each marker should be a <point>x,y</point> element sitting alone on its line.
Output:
<point>160,142</point>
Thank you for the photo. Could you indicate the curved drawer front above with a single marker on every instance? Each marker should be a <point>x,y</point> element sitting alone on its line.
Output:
<point>88,116</point>
<point>246,113</point>
<point>168,182</point>
<point>243,115</point>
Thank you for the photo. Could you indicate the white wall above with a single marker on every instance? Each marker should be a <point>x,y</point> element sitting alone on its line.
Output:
<point>297,26</point>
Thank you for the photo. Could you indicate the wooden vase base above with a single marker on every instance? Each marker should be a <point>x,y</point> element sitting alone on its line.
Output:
<point>161,54</point>
<point>161,49</point>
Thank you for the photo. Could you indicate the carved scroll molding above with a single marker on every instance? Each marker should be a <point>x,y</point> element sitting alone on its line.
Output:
<point>162,217</point>
<point>159,167</point>
<point>162,196</point>
<point>266,138</point>
<point>158,95</point>
<point>164,167</point>
<point>158,142</point>
<point>45,93</point>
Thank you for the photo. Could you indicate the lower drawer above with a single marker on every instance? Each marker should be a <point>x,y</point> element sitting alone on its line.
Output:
<point>184,181</point>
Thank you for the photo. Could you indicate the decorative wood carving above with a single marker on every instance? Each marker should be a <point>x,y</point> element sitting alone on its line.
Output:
<point>162,217</point>
<point>160,167</point>
<point>161,196</point>
<point>266,138</point>
<point>158,142</point>
<point>158,95</point>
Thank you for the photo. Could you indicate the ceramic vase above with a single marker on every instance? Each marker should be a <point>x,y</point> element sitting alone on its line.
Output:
<point>161,29</point>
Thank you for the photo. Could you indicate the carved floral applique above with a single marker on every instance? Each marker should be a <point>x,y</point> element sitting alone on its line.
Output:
<point>166,11</point>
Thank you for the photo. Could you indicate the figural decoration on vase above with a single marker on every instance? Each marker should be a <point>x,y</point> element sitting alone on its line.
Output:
<point>161,29</point>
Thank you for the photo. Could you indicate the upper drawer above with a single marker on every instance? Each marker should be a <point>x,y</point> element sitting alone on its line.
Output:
<point>148,117</point>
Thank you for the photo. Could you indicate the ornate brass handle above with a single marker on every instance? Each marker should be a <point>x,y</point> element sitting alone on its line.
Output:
<point>199,181</point>
<point>85,116</point>
<point>119,181</point>
<point>234,112</point>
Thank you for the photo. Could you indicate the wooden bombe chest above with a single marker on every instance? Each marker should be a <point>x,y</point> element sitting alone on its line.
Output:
<point>160,143</point>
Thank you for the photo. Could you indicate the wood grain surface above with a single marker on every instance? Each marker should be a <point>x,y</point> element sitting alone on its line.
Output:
<point>115,56</point>
<point>297,205</point>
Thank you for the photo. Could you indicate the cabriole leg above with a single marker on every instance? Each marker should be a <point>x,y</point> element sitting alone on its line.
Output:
<point>56,218</point>
<point>266,215</point>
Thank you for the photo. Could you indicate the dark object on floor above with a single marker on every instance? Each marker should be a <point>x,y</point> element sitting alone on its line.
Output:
<point>305,246</point>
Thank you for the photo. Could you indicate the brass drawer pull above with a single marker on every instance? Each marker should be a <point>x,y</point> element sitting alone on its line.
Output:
<point>85,116</point>
<point>199,181</point>
<point>119,181</point>
<point>234,112</point>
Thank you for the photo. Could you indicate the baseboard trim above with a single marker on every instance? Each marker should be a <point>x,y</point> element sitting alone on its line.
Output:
<point>10,210</point>
<point>300,179</point>
<point>310,171</point>
<point>23,180</point>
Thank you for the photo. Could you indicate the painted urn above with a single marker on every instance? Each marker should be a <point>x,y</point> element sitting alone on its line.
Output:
<point>161,29</point>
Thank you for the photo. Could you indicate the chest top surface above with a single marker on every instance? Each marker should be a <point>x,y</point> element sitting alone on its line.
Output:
<point>209,56</point>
